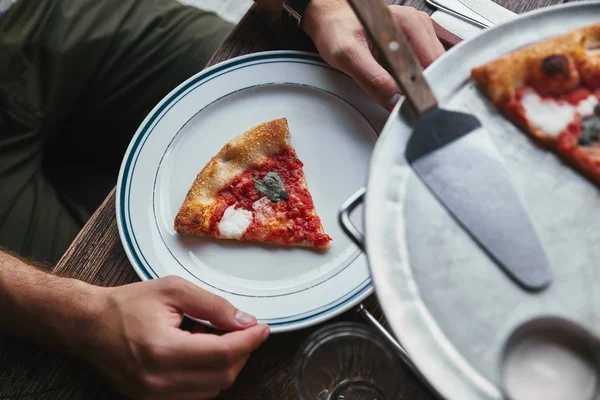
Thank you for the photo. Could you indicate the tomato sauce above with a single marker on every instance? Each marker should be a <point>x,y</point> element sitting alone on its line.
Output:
<point>567,140</point>
<point>593,81</point>
<point>575,96</point>
<point>590,76</point>
<point>298,209</point>
<point>515,111</point>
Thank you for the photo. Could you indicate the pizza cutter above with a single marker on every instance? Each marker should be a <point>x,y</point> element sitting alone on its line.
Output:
<point>453,155</point>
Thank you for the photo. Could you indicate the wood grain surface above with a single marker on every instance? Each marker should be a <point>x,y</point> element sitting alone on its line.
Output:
<point>97,257</point>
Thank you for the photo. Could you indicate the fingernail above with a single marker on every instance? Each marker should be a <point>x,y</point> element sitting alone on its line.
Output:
<point>393,100</point>
<point>243,318</point>
<point>267,332</point>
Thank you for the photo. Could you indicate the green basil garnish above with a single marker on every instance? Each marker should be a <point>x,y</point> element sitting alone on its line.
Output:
<point>590,131</point>
<point>272,187</point>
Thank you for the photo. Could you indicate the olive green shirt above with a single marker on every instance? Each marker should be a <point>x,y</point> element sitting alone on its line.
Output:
<point>77,77</point>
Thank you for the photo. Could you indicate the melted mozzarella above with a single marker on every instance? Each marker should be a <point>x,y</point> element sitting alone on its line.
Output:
<point>586,106</point>
<point>235,222</point>
<point>553,117</point>
<point>548,115</point>
<point>263,209</point>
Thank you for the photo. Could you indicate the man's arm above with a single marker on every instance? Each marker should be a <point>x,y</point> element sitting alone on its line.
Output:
<point>43,307</point>
<point>131,333</point>
<point>342,42</point>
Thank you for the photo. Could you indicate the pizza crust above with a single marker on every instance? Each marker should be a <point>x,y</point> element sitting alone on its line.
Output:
<point>251,147</point>
<point>586,160</point>
<point>500,78</point>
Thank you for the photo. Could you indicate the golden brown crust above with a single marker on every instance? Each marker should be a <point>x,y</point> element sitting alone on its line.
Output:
<point>499,79</point>
<point>586,160</point>
<point>249,148</point>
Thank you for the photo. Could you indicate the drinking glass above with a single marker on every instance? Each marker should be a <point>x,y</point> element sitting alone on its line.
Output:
<point>347,361</point>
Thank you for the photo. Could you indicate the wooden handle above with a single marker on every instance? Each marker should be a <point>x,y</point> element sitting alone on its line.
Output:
<point>395,52</point>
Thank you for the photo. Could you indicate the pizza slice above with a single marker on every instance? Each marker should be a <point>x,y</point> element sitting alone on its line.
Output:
<point>254,190</point>
<point>551,90</point>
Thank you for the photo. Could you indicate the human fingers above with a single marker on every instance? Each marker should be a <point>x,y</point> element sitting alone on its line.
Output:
<point>418,28</point>
<point>201,304</point>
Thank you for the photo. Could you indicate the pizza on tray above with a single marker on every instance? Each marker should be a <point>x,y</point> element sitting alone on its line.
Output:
<point>551,90</point>
<point>254,190</point>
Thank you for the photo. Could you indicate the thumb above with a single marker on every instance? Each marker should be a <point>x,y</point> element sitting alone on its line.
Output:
<point>200,304</point>
<point>371,77</point>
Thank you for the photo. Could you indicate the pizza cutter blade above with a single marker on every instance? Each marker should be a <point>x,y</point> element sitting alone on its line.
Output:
<point>453,155</point>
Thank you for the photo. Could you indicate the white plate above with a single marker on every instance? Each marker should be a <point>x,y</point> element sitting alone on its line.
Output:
<point>333,126</point>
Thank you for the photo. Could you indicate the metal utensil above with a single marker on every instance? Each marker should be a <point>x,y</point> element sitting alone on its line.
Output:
<point>451,154</point>
<point>492,12</point>
<point>458,10</point>
<point>457,26</point>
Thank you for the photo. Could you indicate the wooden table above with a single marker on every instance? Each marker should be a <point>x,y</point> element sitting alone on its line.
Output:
<point>96,256</point>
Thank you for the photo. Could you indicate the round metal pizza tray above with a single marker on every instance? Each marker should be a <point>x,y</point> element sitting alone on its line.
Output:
<point>449,305</point>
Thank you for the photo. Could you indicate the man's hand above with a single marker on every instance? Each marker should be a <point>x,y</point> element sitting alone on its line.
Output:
<point>136,340</point>
<point>131,333</point>
<point>342,42</point>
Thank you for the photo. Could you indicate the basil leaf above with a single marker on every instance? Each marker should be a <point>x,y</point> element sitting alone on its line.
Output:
<point>272,187</point>
<point>590,130</point>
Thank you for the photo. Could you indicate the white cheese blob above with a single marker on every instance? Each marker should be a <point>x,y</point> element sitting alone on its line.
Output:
<point>551,116</point>
<point>263,210</point>
<point>586,106</point>
<point>235,222</point>
<point>548,115</point>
